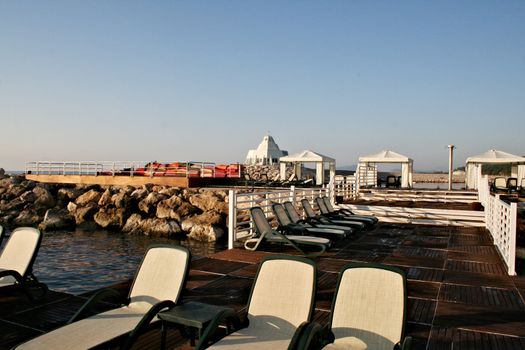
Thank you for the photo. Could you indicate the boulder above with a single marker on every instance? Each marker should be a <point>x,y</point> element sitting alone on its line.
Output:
<point>91,196</point>
<point>56,219</point>
<point>139,194</point>
<point>84,214</point>
<point>166,208</point>
<point>209,200</point>
<point>148,204</point>
<point>206,233</point>
<point>28,197</point>
<point>105,199</point>
<point>160,227</point>
<point>133,224</point>
<point>207,218</point>
<point>110,218</point>
<point>44,198</point>
<point>16,190</point>
<point>121,199</point>
<point>28,217</point>
<point>71,207</point>
<point>68,194</point>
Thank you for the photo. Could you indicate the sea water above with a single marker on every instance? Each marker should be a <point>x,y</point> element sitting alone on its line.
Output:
<point>79,261</point>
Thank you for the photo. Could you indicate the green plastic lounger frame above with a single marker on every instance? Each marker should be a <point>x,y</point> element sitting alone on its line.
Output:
<point>368,220</point>
<point>279,308</point>
<point>326,219</point>
<point>287,226</point>
<point>157,286</point>
<point>265,234</point>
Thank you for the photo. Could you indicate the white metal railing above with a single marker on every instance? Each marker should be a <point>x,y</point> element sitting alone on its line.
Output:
<point>239,220</point>
<point>501,220</point>
<point>134,168</point>
<point>345,187</point>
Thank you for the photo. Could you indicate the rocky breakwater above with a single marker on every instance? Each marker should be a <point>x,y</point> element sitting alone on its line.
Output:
<point>199,214</point>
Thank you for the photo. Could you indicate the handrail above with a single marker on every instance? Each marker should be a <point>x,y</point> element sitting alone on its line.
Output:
<point>240,224</point>
<point>501,221</point>
<point>134,168</point>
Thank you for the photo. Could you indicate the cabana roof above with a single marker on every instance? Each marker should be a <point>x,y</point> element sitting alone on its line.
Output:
<point>386,156</point>
<point>495,156</point>
<point>307,156</point>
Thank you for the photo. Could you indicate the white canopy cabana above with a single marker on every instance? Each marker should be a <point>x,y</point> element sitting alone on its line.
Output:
<point>475,163</point>
<point>306,156</point>
<point>370,161</point>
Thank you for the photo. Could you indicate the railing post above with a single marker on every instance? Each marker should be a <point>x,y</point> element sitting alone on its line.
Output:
<point>511,264</point>
<point>292,195</point>
<point>232,217</point>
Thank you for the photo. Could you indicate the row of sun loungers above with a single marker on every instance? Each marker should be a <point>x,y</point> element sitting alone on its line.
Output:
<point>368,310</point>
<point>508,185</point>
<point>315,231</point>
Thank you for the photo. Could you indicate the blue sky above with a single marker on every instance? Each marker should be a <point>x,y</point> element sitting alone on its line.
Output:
<point>206,80</point>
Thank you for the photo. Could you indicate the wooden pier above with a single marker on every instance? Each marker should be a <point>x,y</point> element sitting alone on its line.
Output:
<point>460,296</point>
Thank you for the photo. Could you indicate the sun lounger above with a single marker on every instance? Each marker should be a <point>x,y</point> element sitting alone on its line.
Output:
<point>279,308</point>
<point>309,222</point>
<point>512,185</point>
<point>1,235</point>
<point>391,181</point>
<point>17,259</point>
<point>500,185</point>
<point>368,220</point>
<point>369,309</point>
<point>286,225</point>
<point>324,219</point>
<point>157,286</point>
<point>265,234</point>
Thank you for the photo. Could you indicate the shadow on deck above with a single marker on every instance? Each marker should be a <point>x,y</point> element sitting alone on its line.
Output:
<point>460,296</point>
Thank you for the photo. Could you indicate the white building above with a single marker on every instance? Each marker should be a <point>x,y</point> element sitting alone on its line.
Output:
<point>267,152</point>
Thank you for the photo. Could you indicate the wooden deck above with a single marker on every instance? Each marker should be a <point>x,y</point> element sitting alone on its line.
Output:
<point>460,296</point>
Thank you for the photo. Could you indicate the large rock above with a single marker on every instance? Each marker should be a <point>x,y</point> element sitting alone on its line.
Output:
<point>160,227</point>
<point>206,233</point>
<point>28,197</point>
<point>28,217</point>
<point>209,200</point>
<point>121,199</point>
<point>110,218</point>
<point>139,194</point>
<point>148,204</point>
<point>105,199</point>
<point>68,194</point>
<point>133,224</point>
<point>91,196</point>
<point>207,218</point>
<point>56,219</point>
<point>84,214</point>
<point>44,198</point>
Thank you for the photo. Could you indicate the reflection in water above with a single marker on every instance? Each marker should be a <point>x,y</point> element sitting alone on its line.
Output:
<point>77,262</point>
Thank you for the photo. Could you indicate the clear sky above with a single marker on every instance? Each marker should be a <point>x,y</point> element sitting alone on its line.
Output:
<point>206,80</point>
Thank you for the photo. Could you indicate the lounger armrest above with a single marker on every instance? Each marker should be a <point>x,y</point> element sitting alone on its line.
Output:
<point>103,296</point>
<point>17,276</point>
<point>145,322</point>
<point>406,344</point>
<point>226,316</point>
<point>307,336</point>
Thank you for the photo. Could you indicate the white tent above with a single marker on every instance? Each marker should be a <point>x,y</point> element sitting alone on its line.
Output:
<point>370,162</point>
<point>308,157</point>
<point>267,152</point>
<point>474,164</point>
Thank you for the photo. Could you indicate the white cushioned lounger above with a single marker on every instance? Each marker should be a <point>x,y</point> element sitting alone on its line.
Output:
<point>19,253</point>
<point>369,309</point>
<point>161,277</point>
<point>282,298</point>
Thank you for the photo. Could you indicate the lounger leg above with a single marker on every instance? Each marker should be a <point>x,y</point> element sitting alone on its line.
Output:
<point>164,330</point>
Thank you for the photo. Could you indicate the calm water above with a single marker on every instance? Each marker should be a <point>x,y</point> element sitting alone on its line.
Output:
<point>79,261</point>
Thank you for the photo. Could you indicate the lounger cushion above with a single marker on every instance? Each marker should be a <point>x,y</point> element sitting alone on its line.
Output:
<point>89,332</point>
<point>284,289</point>
<point>18,253</point>
<point>377,294</point>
